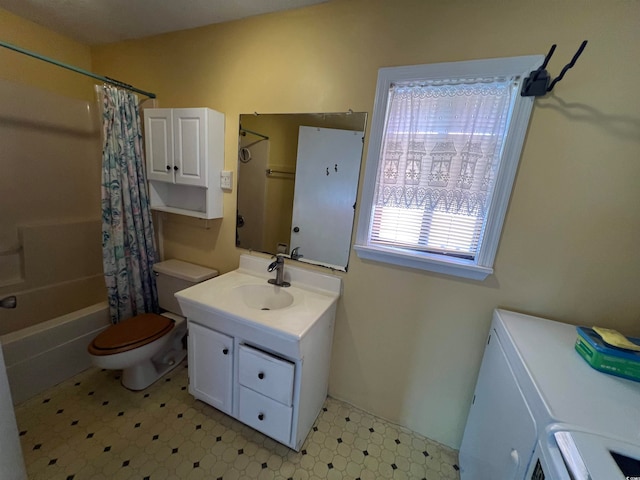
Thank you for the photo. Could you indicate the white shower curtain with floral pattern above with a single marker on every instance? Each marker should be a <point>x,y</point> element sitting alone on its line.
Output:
<point>128,248</point>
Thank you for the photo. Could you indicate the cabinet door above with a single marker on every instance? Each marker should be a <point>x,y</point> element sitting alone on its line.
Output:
<point>190,146</point>
<point>500,434</point>
<point>210,366</point>
<point>159,144</point>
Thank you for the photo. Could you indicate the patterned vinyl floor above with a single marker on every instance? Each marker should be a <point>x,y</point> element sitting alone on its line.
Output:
<point>90,427</point>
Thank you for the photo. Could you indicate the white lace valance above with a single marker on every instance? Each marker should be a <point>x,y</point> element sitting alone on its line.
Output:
<point>442,144</point>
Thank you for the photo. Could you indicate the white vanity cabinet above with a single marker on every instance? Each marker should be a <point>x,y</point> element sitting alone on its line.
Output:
<point>185,154</point>
<point>262,381</point>
<point>275,372</point>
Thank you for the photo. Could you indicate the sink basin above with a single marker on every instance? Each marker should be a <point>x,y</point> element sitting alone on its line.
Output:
<point>243,294</point>
<point>265,297</point>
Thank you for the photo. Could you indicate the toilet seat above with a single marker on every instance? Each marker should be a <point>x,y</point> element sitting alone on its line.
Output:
<point>130,334</point>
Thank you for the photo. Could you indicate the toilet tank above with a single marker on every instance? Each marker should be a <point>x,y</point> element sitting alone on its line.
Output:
<point>175,275</point>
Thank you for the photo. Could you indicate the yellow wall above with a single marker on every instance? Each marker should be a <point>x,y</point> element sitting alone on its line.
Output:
<point>19,68</point>
<point>408,343</point>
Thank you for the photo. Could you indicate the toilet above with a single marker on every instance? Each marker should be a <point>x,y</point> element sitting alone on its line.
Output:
<point>147,346</point>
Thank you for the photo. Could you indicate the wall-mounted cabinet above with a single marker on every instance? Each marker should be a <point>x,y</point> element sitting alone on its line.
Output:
<point>185,154</point>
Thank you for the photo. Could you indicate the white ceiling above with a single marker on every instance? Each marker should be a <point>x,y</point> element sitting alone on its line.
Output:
<point>95,22</point>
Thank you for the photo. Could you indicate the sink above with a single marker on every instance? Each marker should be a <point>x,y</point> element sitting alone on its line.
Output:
<point>265,297</point>
<point>240,297</point>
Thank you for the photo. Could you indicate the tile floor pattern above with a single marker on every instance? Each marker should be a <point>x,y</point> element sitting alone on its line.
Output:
<point>90,427</point>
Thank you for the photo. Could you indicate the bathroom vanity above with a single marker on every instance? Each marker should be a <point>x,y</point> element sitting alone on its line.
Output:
<point>261,353</point>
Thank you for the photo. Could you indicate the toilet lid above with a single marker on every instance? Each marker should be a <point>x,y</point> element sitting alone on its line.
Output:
<point>132,333</point>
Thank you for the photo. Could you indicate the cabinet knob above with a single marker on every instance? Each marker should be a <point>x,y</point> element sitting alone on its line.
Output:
<point>261,416</point>
<point>175,167</point>
<point>261,375</point>
<point>296,229</point>
<point>225,351</point>
<point>168,167</point>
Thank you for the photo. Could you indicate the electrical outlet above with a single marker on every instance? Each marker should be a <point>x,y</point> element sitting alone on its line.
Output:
<point>226,179</point>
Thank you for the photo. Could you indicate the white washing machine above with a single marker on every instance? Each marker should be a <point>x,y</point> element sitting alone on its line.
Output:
<point>540,412</point>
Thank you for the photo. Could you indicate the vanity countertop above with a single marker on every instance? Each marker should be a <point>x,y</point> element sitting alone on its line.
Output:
<point>313,294</point>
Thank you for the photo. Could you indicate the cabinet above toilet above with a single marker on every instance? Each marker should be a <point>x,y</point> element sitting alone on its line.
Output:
<point>185,154</point>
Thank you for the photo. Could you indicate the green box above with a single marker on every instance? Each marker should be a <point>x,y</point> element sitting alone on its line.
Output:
<point>607,359</point>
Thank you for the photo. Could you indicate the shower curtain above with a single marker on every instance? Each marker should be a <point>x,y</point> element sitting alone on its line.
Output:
<point>128,249</point>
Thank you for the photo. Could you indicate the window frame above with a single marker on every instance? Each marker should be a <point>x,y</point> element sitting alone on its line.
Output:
<point>482,266</point>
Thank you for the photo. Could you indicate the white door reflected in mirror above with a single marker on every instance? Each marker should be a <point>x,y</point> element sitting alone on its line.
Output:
<point>327,169</point>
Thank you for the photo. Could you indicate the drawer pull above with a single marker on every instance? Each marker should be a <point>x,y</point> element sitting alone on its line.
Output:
<point>261,416</point>
<point>225,351</point>
<point>261,375</point>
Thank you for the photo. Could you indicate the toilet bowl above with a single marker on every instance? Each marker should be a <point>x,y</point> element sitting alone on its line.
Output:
<point>148,346</point>
<point>144,347</point>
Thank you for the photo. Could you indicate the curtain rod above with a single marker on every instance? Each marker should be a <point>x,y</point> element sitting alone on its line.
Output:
<point>271,171</point>
<point>253,133</point>
<point>111,81</point>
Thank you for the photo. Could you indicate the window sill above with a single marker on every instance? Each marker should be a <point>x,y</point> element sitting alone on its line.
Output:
<point>424,261</point>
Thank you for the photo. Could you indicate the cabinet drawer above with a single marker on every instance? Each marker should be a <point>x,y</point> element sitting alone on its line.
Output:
<point>266,374</point>
<point>265,415</point>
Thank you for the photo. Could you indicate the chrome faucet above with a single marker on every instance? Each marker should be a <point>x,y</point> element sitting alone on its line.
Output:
<point>295,255</point>
<point>278,266</point>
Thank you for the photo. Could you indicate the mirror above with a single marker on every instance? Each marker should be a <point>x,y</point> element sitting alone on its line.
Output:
<point>297,184</point>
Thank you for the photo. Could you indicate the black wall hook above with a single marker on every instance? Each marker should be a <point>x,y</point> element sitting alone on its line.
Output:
<point>539,82</point>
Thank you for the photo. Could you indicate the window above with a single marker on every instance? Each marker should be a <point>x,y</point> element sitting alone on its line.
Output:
<point>445,144</point>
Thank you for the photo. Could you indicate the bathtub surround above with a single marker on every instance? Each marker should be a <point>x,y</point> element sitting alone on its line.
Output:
<point>128,247</point>
<point>50,255</point>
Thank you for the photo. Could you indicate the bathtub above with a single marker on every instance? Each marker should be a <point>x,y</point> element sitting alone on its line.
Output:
<point>43,355</point>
